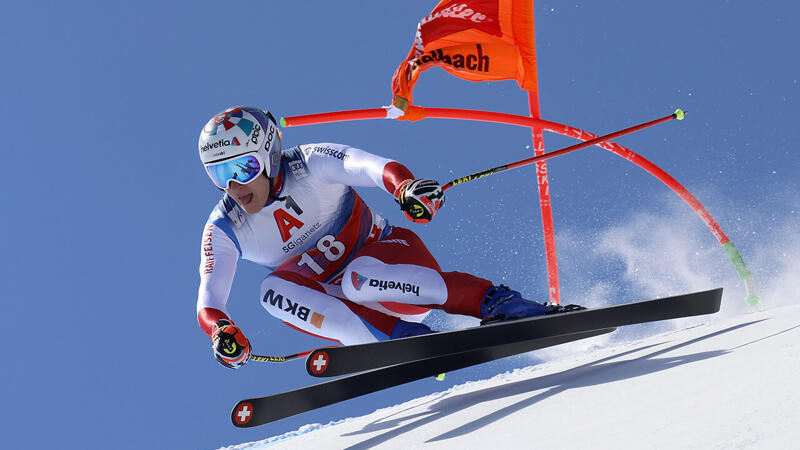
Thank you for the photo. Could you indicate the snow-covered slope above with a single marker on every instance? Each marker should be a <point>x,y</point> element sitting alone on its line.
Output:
<point>716,383</point>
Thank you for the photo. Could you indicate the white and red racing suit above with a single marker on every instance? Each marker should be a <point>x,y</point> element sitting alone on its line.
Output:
<point>337,269</point>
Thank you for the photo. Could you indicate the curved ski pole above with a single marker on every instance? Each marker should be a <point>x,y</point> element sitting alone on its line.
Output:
<point>678,114</point>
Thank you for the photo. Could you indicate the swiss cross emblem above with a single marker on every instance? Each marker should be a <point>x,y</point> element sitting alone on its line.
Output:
<point>319,362</point>
<point>243,413</point>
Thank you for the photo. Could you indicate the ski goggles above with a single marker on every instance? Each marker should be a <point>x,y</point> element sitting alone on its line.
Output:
<point>242,169</point>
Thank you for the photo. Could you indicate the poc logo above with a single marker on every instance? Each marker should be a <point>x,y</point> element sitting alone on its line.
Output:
<point>270,136</point>
<point>256,133</point>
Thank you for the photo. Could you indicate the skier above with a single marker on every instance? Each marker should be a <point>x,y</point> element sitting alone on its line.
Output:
<point>337,269</point>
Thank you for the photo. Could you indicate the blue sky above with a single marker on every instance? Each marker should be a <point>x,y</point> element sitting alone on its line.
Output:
<point>106,198</point>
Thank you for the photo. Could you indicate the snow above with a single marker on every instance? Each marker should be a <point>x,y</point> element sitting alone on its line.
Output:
<point>717,382</point>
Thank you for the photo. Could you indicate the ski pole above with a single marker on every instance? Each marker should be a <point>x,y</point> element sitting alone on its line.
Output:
<point>678,114</point>
<point>278,359</point>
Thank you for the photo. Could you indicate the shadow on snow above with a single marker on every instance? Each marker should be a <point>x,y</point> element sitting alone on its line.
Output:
<point>594,373</point>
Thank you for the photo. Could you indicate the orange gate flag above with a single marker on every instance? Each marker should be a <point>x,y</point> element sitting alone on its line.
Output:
<point>477,40</point>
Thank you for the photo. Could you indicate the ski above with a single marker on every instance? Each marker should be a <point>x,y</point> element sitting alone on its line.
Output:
<point>259,411</point>
<point>335,361</point>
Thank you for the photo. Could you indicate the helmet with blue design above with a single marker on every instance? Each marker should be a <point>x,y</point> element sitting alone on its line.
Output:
<point>240,143</point>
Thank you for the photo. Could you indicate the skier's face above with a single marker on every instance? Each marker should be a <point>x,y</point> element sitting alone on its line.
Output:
<point>251,196</point>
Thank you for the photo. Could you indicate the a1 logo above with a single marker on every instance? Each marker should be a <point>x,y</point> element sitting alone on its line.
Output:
<point>285,221</point>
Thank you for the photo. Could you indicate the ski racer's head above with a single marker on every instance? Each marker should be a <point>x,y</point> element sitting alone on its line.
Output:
<point>236,146</point>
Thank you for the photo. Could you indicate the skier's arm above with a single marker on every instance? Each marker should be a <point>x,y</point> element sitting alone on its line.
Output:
<point>218,258</point>
<point>342,164</point>
<point>335,163</point>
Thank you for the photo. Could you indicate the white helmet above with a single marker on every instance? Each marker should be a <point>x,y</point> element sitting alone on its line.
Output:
<point>238,144</point>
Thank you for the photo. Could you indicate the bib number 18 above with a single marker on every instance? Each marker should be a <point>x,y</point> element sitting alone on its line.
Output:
<point>329,247</point>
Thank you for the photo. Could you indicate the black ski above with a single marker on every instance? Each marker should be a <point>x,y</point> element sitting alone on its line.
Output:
<point>258,411</point>
<point>335,361</point>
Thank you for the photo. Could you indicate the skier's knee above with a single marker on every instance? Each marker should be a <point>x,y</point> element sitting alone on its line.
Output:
<point>280,288</point>
<point>356,276</point>
<point>271,293</point>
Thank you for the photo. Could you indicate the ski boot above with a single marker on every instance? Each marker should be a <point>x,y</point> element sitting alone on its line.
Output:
<point>558,309</point>
<point>501,303</point>
<point>403,329</point>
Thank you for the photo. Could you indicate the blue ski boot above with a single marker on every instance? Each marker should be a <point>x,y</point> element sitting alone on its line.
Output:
<point>501,303</point>
<point>558,309</point>
<point>403,329</point>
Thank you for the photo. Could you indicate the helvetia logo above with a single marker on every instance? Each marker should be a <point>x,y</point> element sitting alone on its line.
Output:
<point>384,285</point>
<point>218,144</point>
<point>358,280</point>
